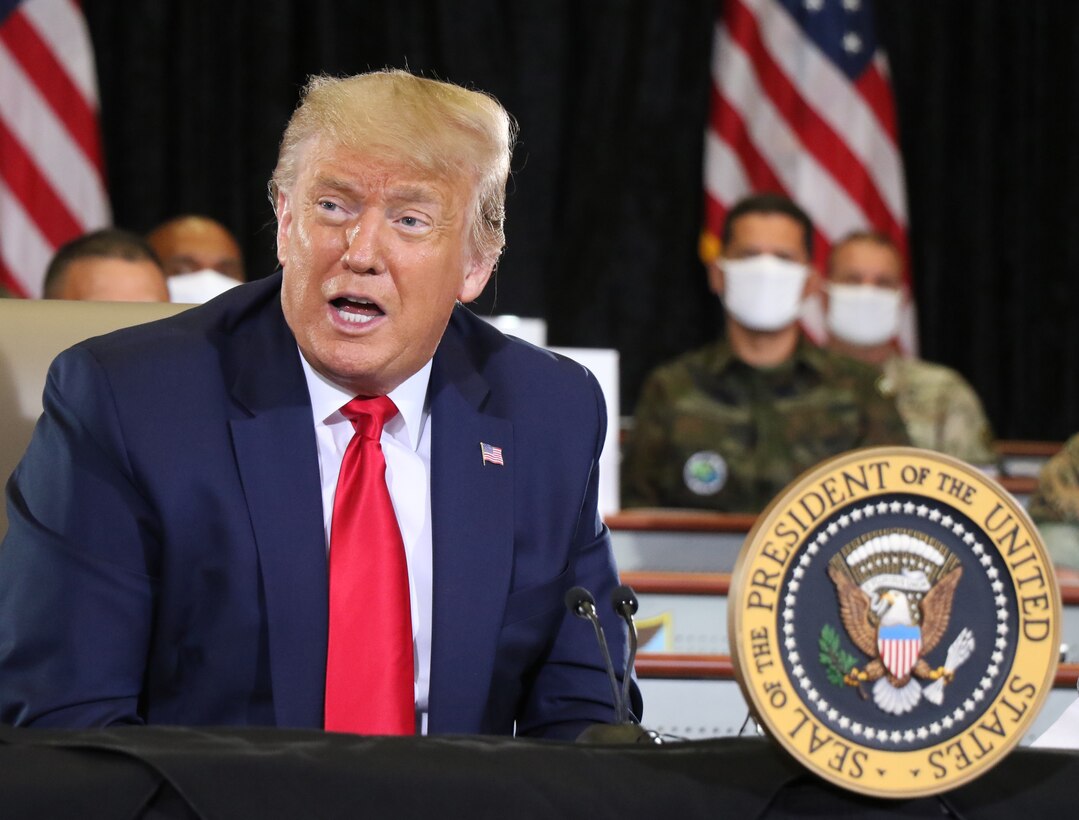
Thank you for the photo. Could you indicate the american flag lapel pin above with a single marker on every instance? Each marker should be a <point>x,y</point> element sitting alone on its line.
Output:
<point>491,454</point>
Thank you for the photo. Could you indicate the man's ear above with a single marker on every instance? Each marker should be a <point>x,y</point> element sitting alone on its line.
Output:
<point>475,279</point>
<point>814,285</point>
<point>284,225</point>
<point>716,279</point>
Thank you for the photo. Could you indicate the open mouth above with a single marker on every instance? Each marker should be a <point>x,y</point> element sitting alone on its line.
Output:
<point>357,311</point>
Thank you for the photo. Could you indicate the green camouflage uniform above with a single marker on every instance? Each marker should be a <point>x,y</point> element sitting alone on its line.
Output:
<point>942,412</point>
<point>1055,505</point>
<point>713,433</point>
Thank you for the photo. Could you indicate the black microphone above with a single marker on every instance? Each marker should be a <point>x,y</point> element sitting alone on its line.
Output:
<point>580,602</point>
<point>624,601</point>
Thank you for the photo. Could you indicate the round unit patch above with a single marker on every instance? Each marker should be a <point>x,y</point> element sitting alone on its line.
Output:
<point>895,621</point>
<point>705,472</point>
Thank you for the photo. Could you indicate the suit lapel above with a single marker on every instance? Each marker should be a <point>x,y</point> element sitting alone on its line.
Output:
<point>278,463</point>
<point>472,531</point>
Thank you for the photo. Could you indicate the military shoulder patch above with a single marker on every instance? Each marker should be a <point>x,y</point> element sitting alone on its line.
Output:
<point>895,621</point>
<point>705,472</point>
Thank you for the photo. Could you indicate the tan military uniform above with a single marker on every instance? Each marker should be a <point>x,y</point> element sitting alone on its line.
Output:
<point>941,410</point>
<point>1055,505</point>
<point>713,433</point>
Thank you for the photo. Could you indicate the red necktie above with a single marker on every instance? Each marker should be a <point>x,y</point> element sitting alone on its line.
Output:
<point>369,660</point>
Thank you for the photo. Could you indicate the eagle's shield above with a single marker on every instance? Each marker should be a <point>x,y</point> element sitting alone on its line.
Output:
<point>899,646</point>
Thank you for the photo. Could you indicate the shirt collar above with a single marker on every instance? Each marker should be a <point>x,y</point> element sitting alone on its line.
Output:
<point>410,397</point>
<point>814,357</point>
<point>805,353</point>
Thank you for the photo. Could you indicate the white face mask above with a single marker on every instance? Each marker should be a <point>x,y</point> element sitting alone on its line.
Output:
<point>863,315</point>
<point>199,286</point>
<point>763,292</point>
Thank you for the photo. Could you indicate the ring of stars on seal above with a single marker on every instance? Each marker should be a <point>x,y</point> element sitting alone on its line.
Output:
<point>882,734</point>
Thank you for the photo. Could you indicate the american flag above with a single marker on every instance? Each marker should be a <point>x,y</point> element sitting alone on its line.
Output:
<point>491,454</point>
<point>52,185</point>
<point>802,104</point>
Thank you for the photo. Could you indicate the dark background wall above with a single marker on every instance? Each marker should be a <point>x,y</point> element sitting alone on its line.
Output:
<point>604,206</point>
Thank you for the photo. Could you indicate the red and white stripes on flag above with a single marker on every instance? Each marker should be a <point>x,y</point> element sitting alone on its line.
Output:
<point>491,454</point>
<point>802,105</point>
<point>52,184</point>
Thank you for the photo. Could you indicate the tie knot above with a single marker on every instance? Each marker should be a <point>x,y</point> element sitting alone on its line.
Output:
<point>369,415</point>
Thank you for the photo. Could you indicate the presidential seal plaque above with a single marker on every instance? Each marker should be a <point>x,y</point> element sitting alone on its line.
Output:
<point>895,621</point>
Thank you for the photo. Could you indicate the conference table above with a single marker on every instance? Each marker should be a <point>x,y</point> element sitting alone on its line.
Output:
<point>166,772</point>
<point>174,772</point>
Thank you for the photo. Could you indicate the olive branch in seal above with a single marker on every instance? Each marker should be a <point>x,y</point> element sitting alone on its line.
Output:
<point>837,662</point>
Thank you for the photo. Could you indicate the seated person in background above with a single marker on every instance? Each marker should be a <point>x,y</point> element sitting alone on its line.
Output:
<point>865,298</point>
<point>1054,506</point>
<point>727,427</point>
<point>109,265</point>
<point>201,258</point>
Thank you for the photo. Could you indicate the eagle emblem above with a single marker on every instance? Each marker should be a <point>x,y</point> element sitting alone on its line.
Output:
<point>895,591</point>
<point>887,613</point>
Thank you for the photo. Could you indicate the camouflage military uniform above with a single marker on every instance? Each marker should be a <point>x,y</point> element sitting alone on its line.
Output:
<point>1055,505</point>
<point>942,412</point>
<point>713,433</point>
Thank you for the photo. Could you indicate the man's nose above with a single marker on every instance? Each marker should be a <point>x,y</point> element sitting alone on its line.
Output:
<point>363,244</point>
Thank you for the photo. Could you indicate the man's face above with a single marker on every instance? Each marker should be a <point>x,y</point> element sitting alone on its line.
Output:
<point>754,234</point>
<point>106,279</point>
<point>374,258</point>
<point>194,244</point>
<point>864,262</point>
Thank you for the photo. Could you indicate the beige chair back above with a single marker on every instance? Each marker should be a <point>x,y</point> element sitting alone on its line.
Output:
<point>32,332</point>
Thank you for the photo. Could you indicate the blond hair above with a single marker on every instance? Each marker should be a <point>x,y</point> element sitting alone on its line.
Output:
<point>435,127</point>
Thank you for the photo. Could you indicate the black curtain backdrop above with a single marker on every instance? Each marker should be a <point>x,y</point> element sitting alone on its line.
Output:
<point>605,202</point>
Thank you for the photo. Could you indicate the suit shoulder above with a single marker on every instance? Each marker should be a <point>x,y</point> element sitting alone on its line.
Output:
<point>511,358</point>
<point>201,326</point>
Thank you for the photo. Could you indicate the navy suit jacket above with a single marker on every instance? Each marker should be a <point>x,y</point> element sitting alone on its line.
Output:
<point>166,560</point>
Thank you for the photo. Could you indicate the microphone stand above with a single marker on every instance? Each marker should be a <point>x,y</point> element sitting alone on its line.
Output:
<point>625,730</point>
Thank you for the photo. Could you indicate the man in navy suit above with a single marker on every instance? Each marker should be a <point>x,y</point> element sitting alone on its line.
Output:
<point>166,560</point>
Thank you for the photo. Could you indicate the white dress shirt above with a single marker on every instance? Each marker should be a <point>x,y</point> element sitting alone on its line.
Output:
<point>406,444</point>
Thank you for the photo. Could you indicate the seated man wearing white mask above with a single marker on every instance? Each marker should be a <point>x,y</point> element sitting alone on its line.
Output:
<point>866,297</point>
<point>200,256</point>
<point>726,427</point>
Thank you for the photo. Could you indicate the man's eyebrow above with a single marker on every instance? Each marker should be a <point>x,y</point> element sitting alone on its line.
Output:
<point>335,183</point>
<point>403,193</point>
<point>181,259</point>
<point>414,193</point>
